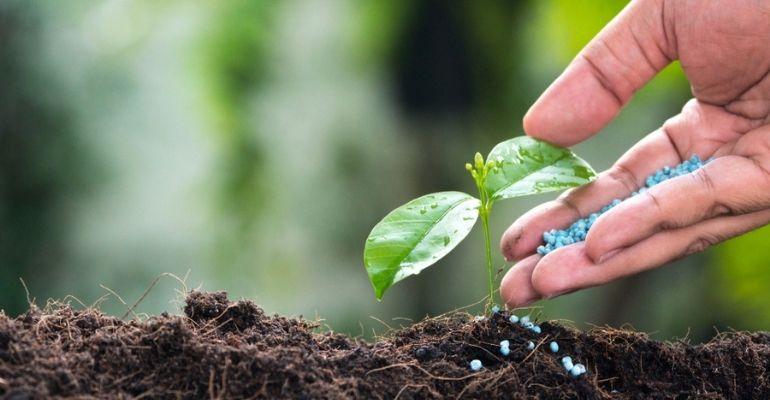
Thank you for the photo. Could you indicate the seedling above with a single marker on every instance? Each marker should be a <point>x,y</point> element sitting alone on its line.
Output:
<point>419,233</point>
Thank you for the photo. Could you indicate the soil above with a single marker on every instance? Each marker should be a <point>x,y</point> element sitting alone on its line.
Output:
<point>223,349</point>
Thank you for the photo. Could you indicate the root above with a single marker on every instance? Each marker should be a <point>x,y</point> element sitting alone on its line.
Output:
<point>149,288</point>
<point>30,301</point>
<point>120,299</point>
<point>424,371</point>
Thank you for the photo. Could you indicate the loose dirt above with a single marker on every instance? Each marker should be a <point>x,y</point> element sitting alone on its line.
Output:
<point>221,349</point>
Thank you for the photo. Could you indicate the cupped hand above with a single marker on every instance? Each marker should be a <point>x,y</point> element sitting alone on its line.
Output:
<point>724,49</point>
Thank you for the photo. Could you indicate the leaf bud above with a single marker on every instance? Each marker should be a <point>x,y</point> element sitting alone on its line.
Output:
<point>479,160</point>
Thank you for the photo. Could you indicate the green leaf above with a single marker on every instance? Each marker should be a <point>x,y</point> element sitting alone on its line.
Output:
<point>416,235</point>
<point>531,166</point>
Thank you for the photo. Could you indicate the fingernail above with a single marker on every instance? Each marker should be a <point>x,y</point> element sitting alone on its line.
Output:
<point>606,256</point>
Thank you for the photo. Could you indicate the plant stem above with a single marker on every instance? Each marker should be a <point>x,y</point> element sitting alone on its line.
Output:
<point>484,211</point>
<point>479,172</point>
<point>484,214</point>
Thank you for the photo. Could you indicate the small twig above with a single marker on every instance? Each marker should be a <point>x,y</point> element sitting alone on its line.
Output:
<point>495,376</point>
<point>423,370</point>
<point>223,388</point>
<point>382,322</point>
<point>541,386</point>
<point>69,296</point>
<point>456,310</point>
<point>361,325</point>
<point>408,386</point>
<point>215,319</point>
<point>30,302</point>
<point>212,392</point>
<point>97,302</point>
<point>485,350</point>
<point>147,291</point>
<point>184,279</point>
<point>215,328</point>
<point>533,351</point>
<point>371,371</point>
<point>181,294</point>
<point>120,299</point>
<point>117,382</point>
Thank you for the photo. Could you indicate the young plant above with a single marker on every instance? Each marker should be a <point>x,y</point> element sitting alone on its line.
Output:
<point>419,233</point>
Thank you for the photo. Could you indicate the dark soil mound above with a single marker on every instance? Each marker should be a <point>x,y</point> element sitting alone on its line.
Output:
<point>224,349</point>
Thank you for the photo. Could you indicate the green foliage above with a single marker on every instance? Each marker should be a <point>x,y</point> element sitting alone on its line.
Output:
<point>416,235</point>
<point>232,66</point>
<point>568,26</point>
<point>419,233</point>
<point>741,278</point>
<point>44,164</point>
<point>530,166</point>
<point>579,22</point>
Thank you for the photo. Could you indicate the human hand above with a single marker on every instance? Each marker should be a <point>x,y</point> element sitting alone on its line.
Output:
<point>724,49</point>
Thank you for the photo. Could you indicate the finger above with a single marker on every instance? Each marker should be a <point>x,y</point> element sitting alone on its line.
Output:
<point>727,185</point>
<point>624,56</point>
<point>570,268</point>
<point>716,130</point>
<point>516,288</point>
<point>627,175</point>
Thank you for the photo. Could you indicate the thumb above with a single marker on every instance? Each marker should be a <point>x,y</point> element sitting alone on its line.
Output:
<point>623,57</point>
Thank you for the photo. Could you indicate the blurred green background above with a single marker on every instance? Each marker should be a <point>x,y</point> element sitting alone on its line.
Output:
<point>255,144</point>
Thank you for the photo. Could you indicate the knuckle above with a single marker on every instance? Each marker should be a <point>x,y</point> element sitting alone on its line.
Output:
<point>762,164</point>
<point>621,174</point>
<point>704,180</point>
<point>674,125</point>
<point>665,219</point>
<point>568,203</point>
<point>596,245</point>
<point>667,225</point>
<point>718,210</point>
<point>655,203</point>
<point>678,129</point>
<point>594,56</point>
<point>703,242</point>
